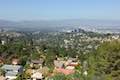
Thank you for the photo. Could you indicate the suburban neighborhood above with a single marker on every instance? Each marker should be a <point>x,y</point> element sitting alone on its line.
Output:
<point>37,58</point>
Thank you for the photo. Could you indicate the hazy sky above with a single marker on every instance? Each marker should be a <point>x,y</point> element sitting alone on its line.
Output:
<point>59,9</point>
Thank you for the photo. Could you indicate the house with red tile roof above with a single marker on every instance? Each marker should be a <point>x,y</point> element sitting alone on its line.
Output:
<point>65,71</point>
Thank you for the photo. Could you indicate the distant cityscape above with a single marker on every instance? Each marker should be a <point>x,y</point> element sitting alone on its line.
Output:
<point>62,25</point>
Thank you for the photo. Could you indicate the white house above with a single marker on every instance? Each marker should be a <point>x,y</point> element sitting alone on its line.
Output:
<point>11,71</point>
<point>37,76</point>
<point>3,42</point>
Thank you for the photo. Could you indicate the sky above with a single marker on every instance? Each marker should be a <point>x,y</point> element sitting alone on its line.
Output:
<point>59,9</point>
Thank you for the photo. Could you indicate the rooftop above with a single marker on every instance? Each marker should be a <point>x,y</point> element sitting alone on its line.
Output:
<point>37,61</point>
<point>11,73</point>
<point>11,67</point>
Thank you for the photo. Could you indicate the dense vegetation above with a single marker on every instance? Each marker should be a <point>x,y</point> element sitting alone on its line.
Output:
<point>103,63</point>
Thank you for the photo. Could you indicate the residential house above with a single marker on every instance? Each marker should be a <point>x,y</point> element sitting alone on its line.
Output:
<point>11,71</point>
<point>32,72</point>
<point>65,66</point>
<point>37,76</point>
<point>59,63</point>
<point>3,42</point>
<point>72,62</point>
<point>15,61</point>
<point>65,71</point>
<point>36,63</point>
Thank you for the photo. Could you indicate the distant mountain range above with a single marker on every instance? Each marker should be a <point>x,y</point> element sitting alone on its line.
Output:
<point>58,25</point>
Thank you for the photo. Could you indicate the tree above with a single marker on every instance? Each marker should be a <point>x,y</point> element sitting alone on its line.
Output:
<point>108,60</point>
